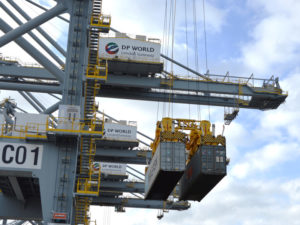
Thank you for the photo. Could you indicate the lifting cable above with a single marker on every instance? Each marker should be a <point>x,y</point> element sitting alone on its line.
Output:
<point>168,46</point>
<point>164,43</point>
<point>165,51</point>
<point>205,52</point>
<point>195,35</point>
<point>196,49</point>
<point>187,51</point>
<point>204,34</point>
<point>173,33</point>
<point>168,30</point>
<point>173,18</point>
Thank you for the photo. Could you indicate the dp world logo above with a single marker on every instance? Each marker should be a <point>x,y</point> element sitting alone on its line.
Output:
<point>96,166</point>
<point>112,48</point>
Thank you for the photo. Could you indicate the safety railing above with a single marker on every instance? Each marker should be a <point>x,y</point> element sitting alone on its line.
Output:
<point>88,186</point>
<point>132,123</point>
<point>30,130</point>
<point>131,36</point>
<point>102,20</point>
<point>36,130</point>
<point>97,71</point>
<point>96,126</point>
<point>265,85</point>
<point>9,59</point>
<point>93,222</point>
<point>18,62</point>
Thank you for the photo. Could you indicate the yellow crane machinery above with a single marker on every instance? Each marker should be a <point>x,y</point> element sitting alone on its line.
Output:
<point>180,144</point>
<point>166,131</point>
<point>201,133</point>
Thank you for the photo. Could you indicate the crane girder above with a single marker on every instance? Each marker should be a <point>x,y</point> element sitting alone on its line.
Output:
<point>141,203</point>
<point>202,92</point>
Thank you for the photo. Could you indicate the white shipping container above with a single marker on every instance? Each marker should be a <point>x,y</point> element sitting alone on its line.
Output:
<point>117,131</point>
<point>165,170</point>
<point>129,49</point>
<point>152,171</point>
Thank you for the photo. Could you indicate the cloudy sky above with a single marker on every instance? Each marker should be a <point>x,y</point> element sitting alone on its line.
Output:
<point>243,37</point>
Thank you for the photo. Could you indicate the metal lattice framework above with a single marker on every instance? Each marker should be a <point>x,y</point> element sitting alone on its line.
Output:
<point>65,76</point>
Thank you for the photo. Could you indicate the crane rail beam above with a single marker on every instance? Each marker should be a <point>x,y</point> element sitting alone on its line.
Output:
<point>262,102</point>
<point>18,71</point>
<point>42,88</point>
<point>123,186</point>
<point>140,203</point>
<point>150,83</point>
<point>187,85</point>
<point>123,156</point>
<point>153,89</point>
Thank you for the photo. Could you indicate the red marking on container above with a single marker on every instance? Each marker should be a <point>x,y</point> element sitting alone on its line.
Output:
<point>190,172</point>
<point>60,216</point>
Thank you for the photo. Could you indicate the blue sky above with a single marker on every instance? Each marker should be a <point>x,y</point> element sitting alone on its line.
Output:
<point>244,37</point>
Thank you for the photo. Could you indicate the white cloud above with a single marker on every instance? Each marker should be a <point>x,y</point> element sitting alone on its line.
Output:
<point>265,158</point>
<point>253,202</point>
<point>215,17</point>
<point>287,116</point>
<point>292,188</point>
<point>275,39</point>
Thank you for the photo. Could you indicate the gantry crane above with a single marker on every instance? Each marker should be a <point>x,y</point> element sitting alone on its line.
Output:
<point>46,172</point>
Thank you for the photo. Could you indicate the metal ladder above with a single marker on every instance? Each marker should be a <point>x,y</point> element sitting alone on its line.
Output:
<point>97,68</point>
<point>85,156</point>
<point>82,210</point>
<point>88,183</point>
<point>90,108</point>
<point>97,8</point>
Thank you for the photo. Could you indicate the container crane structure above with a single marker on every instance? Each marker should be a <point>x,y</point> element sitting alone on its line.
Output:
<point>46,173</point>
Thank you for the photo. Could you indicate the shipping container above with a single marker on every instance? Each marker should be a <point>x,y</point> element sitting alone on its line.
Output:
<point>205,170</point>
<point>165,170</point>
